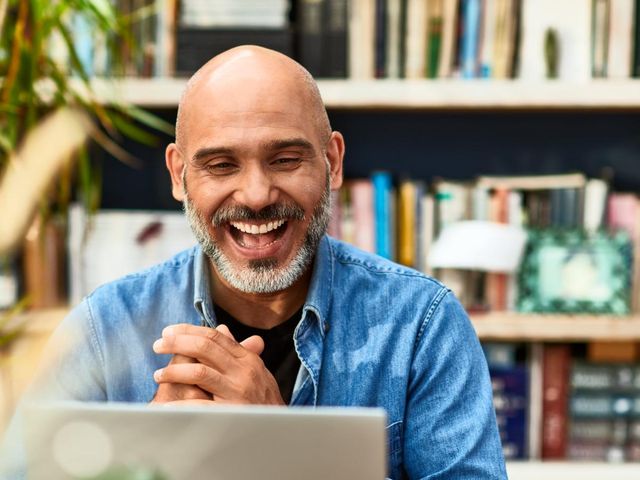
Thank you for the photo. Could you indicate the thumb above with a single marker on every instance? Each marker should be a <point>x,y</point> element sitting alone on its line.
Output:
<point>254,344</point>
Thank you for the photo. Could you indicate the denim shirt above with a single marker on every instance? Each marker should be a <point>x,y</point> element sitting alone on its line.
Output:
<point>372,333</point>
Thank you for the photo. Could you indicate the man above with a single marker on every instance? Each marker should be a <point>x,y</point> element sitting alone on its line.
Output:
<point>268,310</point>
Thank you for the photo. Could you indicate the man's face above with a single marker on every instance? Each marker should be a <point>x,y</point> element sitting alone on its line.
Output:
<point>256,189</point>
<point>266,274</point>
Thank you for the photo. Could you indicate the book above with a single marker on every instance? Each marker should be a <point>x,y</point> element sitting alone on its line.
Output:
<point>334,53</point>
<point>620,45</point>
<point>383,191</point>
<point>510,399</point>
<point>636,41</point>
<point>361,39</point>
<point>449,37</point>
<point>392,42</point>
<point>416,39</point>
<point>556,364</point>
<point>487,43</point>
<point>471,10</point>
<point>434,37</point>
<point>361,195</point>
<point>381,38</point>
<point>505,29</point>
<point>165,42</point>
<point>599,38</point>
<point>407,221</point>
<point>310,37</point>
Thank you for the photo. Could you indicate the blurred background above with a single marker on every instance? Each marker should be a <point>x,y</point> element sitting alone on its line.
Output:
<point>471,118</point>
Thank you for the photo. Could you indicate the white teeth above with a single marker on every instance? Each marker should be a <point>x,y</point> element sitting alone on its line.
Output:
<point>257,229</point>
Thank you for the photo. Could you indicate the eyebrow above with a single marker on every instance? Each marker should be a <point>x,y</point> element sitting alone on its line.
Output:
<point>204,153</point>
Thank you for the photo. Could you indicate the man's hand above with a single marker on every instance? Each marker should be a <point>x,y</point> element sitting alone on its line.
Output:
<point>172,392</point>
<point>231,372</point>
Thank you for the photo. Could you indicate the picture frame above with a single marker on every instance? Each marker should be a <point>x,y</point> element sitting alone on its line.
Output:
<point>572,271</point>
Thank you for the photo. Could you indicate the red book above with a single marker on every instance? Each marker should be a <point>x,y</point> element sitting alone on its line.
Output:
<point>556,365</point>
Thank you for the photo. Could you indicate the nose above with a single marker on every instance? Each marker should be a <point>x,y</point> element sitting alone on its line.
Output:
<point>257,189</point>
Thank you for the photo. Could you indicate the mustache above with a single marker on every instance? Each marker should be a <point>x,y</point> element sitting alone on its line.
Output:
<point>276,211</point>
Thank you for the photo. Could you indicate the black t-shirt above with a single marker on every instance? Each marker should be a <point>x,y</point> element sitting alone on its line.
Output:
<point>279,355</point>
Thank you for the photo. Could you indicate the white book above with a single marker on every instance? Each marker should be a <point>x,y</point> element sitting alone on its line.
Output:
<point>487,46</point>
<point>571,19</point>
<point>416,39</point>
<point>595,200</point>
<point>449,37</point>
<point>620,38</point>
<point>534,413</point>
<point>361,39</point>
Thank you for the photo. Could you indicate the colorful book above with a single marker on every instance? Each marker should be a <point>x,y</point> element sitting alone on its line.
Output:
<point>382,193</point>
<point>471,10</point>
<point>361,194</point>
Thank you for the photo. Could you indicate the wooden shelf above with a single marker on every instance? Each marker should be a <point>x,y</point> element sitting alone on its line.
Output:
<point>500,326</point>
<point>510,326</point>
<point>416,94</point>
<point>569,470</point>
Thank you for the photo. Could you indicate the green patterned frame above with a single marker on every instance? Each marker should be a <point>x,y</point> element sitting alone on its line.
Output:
<point>609,257</point>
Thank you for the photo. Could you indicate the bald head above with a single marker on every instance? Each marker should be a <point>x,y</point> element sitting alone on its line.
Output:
<point>252,72</point>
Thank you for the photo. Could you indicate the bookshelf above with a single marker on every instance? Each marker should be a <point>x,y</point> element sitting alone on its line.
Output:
<point>416,94</point>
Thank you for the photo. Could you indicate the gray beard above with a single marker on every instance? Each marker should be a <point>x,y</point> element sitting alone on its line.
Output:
<point>262,276</point>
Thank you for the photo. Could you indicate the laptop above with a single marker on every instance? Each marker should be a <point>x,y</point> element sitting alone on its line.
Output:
<point>154,442</point>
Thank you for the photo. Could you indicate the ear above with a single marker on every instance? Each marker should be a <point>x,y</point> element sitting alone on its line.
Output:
<point>175,165</point>
<point>335,155</point>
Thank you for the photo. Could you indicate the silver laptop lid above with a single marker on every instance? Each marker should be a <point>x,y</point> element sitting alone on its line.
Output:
<point>134,441</point>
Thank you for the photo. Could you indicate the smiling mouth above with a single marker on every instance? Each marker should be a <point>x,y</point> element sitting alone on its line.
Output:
<point>257,235</point>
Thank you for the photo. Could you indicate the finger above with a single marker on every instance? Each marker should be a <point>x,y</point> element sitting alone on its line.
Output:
<point>254,344</point>
<point>204,350</point>
<point>213,334</point>
<point>186,403</point>
<point>196,374</point>
<point>225,331</point>
<point>168,392</point>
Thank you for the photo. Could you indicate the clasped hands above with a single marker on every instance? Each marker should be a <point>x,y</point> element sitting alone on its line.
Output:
<point>210,367</point>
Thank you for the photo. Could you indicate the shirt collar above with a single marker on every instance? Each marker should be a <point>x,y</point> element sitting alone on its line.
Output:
<point>318,296</point>
<point>202,291</point>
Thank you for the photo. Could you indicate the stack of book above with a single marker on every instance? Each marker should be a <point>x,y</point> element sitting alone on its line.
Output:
<point>603,412</point>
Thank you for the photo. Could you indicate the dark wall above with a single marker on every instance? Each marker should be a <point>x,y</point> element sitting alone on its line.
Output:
<point>457,145</point>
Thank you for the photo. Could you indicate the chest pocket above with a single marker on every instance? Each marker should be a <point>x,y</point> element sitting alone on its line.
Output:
<point>394,446</point>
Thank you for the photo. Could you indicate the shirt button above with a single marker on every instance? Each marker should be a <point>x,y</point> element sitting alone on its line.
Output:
<point>326,327</point>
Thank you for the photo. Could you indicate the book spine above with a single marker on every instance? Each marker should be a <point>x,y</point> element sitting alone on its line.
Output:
<point>382,211</point>
<point>381,39</point>
<point>636,40</point>
<point>335,30</point>
<point>434,43</point>
<point>310,44</point>
<point>556,363</point>
<point>471,30</point>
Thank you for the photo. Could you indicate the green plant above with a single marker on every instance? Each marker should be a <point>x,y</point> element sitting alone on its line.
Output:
<point>35,82</point>
<point>34,35</point>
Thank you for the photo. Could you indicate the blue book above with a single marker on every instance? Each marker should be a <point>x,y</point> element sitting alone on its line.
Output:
<point>471,10</point>
<point>510,400</point>
<point>382,190</point>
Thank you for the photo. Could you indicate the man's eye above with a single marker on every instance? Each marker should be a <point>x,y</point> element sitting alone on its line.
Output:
<point>287,161</point>
<point>220,167</point>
